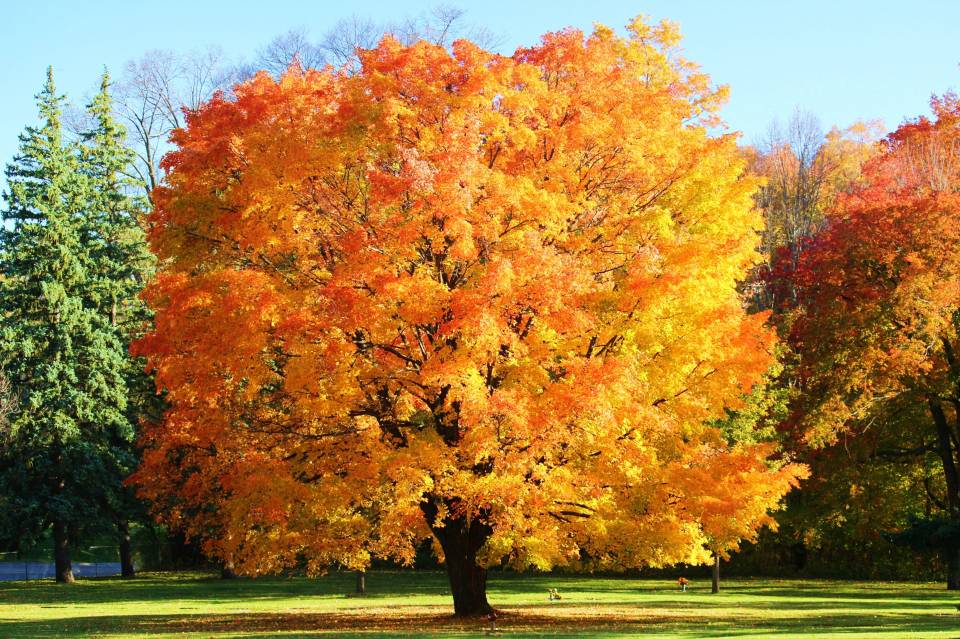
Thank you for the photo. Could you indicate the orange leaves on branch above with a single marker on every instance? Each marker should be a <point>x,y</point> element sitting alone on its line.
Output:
<point>454,286</point>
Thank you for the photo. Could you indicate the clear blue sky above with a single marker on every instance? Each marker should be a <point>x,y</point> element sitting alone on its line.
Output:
<point>842,60</point>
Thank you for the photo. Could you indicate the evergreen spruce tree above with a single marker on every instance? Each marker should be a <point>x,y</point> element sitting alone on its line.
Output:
<point>120,264</point>
<point>64,359</point>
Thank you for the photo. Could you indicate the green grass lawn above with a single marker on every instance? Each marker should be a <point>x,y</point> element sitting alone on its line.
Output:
<point>408,604</point>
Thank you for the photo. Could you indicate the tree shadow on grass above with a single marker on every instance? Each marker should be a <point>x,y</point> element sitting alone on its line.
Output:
<point>826,594</point>
<point>213,590</point>
<point>414,624</point>
<point>602,607</point>
<point>819,595</point>
<point>397,621</point>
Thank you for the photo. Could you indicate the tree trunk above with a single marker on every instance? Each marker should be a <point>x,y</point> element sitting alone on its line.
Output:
<point>63,568</point>
<point>126,552</point>
<point>227,571</point>
<point>461,540</point>
<point>951,475</point>
<point>952,560</point>
<point>468,581</point>
<point>361,582</point>
<point>945,449</point>
<point>715,586</point>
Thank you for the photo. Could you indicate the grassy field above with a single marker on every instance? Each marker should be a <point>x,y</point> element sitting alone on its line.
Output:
<point>418,605</point>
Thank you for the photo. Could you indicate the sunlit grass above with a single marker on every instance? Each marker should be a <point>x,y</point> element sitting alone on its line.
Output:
<point>418,605</point>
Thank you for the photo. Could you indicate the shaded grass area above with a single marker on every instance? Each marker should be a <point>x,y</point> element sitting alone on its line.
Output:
<point>417,604</point>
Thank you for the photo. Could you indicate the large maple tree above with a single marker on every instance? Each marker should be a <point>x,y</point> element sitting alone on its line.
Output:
<point>489,300</point>
<point>878,312</point>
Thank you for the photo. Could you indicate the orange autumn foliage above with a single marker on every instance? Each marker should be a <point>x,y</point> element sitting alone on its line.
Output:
<point>457,291</point>
<point>876,322</point>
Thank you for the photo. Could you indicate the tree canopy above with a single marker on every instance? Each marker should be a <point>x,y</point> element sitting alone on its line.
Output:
<point>877,321</point>
<point>489,299</point>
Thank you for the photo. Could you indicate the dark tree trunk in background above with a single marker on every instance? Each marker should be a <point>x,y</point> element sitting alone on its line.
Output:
<point>951,475</point>
<point>126,551</point>
<point>715,585</point>
<point>461,540</point>
<point>798,556</point>
<point>61,553</point>
<point>361,582</point>
<point>952,556</point>
<point>227,571</point>
<point>184,554</point>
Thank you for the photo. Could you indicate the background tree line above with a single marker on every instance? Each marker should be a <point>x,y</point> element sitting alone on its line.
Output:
<point>880,486</point>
